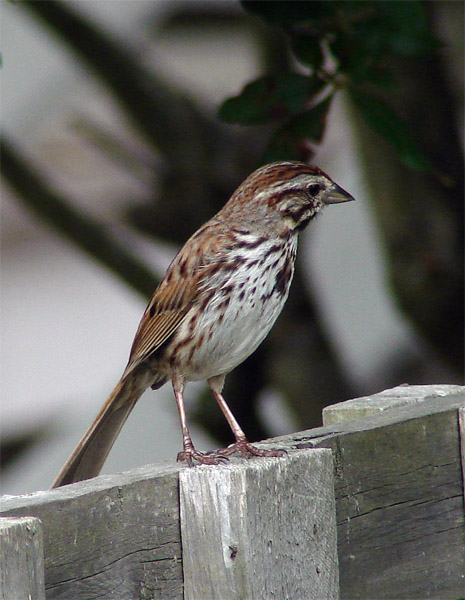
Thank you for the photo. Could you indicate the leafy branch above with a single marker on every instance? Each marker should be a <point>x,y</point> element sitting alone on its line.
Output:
<point>337,46</point>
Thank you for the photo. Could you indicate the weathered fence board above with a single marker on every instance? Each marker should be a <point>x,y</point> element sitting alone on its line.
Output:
<point>113,537</point>
<point>399,506</point>
<point>399,500</point>
<point>21,559</point>
<point>262,530</point>
<point>400,396</point>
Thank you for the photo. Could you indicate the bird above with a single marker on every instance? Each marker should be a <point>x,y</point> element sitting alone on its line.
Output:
<point>217,301</point>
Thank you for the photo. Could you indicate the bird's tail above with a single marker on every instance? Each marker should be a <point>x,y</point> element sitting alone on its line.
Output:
<point>88,457</point>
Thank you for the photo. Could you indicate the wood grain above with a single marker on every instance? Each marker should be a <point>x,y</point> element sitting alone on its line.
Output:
<point>399,507</point>
<point>111,537</point>
<point>21,559</point>
<point>399,501</point>
<point>261,530</point>
<point>402,395</point>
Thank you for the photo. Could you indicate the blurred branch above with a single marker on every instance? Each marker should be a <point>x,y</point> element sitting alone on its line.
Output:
<point>422,215</point>
<point>200,158</point>
<point>93,238</point>
<point>163,116</point>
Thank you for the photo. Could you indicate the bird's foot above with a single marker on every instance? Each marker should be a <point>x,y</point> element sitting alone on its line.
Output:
<point>191,455</point>
<point>216,457</point>
<point>246,449</point>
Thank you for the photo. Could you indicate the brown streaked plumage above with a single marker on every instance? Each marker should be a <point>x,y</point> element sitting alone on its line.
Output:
<point>216,303</point>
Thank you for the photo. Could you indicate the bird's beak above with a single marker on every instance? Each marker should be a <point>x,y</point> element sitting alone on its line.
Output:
<point>337,195</point>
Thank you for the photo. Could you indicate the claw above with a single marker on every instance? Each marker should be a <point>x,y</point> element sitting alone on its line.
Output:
<point>216,457</point>
<point>247,449</point>
<point>208,458</point>
<point>223,452</point>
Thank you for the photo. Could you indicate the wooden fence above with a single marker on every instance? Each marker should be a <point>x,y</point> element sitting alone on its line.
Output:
<point>369,506</point>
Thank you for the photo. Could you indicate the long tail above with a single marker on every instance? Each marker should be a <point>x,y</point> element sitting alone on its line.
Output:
<point>88,457</point>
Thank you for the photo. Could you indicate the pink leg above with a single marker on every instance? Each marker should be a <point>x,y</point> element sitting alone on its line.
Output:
<point>189,453</point>
<point>242,445</point>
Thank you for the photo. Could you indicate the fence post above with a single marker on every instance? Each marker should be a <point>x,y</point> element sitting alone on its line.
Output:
<point>376,404</point>
<point>261,529</point>
<point>21,559</point>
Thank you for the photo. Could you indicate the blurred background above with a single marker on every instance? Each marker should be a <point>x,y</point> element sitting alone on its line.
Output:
<point>118,141</point>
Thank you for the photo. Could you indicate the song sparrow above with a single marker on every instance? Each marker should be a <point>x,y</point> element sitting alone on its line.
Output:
<point>216,303</point>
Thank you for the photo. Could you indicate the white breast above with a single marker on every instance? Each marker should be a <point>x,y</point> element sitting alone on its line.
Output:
<point>244,307</point>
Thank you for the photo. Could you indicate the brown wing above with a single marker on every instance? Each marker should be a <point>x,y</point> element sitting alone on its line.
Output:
<point>174,295</point>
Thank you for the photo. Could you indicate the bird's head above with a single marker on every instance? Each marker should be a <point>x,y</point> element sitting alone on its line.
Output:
<point>284,196</point>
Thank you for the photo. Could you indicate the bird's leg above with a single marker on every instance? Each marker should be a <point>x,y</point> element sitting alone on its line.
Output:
<point>241,445</point>
<point>189,453</point>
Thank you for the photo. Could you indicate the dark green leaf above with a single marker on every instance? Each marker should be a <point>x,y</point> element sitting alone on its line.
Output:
<point>291,142</point>
<point>308,50</point>
<point>368,36</point>
<point>379,75</point>
<point>382,119</point>
<point>406,28</point>
<point>270,98</point>
<point>362,65</point>
<point>284,12</point>
<point>251,106</point>
<point>311,124</point>
<point>294,91</point>
<point>281,147</point>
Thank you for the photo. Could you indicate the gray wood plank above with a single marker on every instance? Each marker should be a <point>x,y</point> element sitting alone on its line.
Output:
<point>112,537</point>
<point>263,529</point>
<point>402,395</point>
<point>399,500</point>
<point>21,559</point>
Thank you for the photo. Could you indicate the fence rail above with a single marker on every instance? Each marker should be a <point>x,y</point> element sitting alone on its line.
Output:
<point>370,505</point>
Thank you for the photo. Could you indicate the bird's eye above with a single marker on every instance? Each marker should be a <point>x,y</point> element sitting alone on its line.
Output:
<point>314,189</point>
<point>287,211</point>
